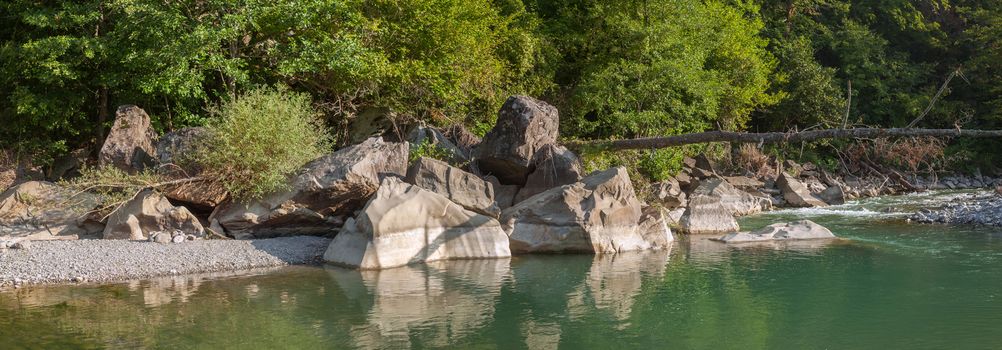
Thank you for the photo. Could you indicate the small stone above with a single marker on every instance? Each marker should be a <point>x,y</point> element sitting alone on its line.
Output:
<point>178,239</point>
<point>25,244</point>
<point>189,237</point>
<point>160,237</point>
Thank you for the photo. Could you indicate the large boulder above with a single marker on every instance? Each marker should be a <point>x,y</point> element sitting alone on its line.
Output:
<point>737,202</point>
<point>150,212</point>
<point>405,224</point>
<point>504,195</point>
<point>599,214</point>
<point>172,149</point>
<point>131,143</point>
<point>524,125</point>
<point>706,215</point>
<point>833,195</point>
<point>40,210</point>
<point>655,227</point>
<point>462,138</point>
<point>463,188</point>
<point>325,190</point>
<point>797,230</point>
<point>796,193</point>
<point>669,193</point>
<point>744,183</point>
<point>552,166</point>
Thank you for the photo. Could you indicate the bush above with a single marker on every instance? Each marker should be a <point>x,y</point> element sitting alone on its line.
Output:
<point>258,139</point>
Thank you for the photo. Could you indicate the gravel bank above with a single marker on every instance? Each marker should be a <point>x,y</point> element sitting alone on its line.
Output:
<point>113,260</point>
<point>976,209</point>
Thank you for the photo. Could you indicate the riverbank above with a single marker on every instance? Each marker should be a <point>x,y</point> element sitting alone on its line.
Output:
<point>92,260</point>
<point>981,208</point>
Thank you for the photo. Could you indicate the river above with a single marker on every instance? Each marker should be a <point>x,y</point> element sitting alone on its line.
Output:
<point>887,285</point>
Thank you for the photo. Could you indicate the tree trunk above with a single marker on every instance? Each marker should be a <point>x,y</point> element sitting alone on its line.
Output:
<point>776,137</point>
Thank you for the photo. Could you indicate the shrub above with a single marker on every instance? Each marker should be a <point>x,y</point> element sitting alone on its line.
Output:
<point>113,186</point>
<point>751,158</point>
<point>258,139</point>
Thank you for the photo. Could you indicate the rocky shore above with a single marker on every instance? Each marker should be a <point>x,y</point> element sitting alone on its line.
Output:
<point>94,260</point>
<point>973,209</point>
<point>384,202</point>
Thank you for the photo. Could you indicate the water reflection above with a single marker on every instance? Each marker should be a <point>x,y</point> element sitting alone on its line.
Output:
<point>444,300</point>
<point>614,281</point>
<point>703,250</point>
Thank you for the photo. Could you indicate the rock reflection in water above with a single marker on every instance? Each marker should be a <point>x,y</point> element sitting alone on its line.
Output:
<point>614,281</point>
<point>701,249</point>
<point>443,301</point>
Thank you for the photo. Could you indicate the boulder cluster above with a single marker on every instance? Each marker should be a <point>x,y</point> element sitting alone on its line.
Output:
<point>516,191</point>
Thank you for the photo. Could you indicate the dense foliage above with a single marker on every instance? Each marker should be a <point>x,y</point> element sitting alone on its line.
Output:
<point>622,68</point>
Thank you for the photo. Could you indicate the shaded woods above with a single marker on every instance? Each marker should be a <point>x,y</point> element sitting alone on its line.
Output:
<point>614,69</point>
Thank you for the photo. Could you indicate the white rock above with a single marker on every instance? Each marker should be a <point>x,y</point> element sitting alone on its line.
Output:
<point>404,224</point>
<point>797,230</point>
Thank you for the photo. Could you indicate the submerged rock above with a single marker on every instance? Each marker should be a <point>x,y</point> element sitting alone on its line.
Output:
<point>524,126</point>
<point>405,224</point>
<point>326,188</point>
<point>461,187</point>
<point>797,230</point>
<point>131,143</point>
<point>599,214</point>
<point>150,212</point>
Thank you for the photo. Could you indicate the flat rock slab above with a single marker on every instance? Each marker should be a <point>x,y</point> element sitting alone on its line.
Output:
<point>115,260</point>
<point>797,230</point>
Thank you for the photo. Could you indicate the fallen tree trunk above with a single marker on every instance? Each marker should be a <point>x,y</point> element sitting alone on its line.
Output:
<point>776,137</point>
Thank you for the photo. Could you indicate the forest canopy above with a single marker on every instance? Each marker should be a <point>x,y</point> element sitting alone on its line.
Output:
<point>615,69</point>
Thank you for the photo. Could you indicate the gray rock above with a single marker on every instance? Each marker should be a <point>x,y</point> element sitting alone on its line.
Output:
<point>552,166</point>
<point>22,244</point>
<point>504,195</point>
<point>706,215</point>
<point>744,183</point>
<point>833,195</point>
<point>599,214</point>
<point>172,149</point>
<point>405,224</point>
<point>130,144</point>
<point>459,186</point>
<point>150,212</point>
<point>655,227</point>
<point>40,210</point>
<point>797,230</point>
<point>669,193</point>
<point>796,193</point>
<point>428,135</point>
<point>160,237</point>
<point>735,201</point>
<point>524,125</point>
<point>333,185</point>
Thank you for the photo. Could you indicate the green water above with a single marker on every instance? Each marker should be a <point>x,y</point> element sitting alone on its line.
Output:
<point>889,285</point>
